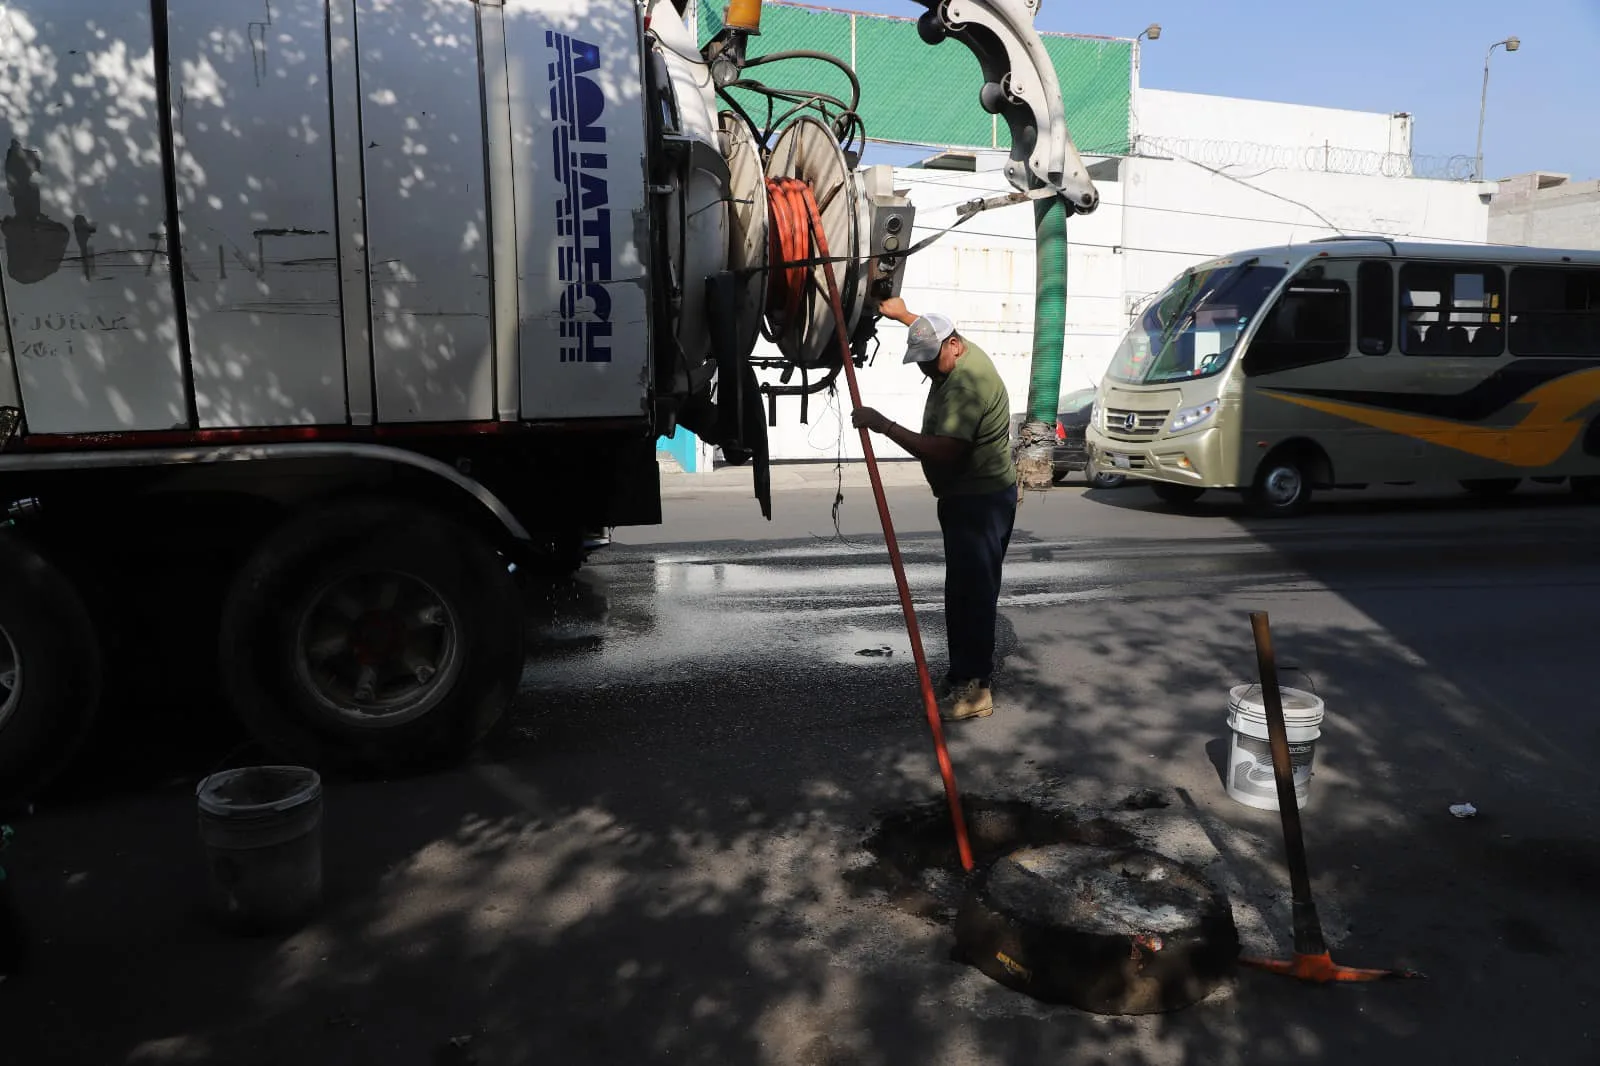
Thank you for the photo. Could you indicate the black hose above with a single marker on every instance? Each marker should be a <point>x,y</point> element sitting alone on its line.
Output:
<point>844,68</point>
<point>808,104</point>
<point>744,116</point>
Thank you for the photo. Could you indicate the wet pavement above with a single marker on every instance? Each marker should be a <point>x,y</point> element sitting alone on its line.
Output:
<point>657,860</point>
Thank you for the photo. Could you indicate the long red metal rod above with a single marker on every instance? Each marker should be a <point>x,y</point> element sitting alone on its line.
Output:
<point>790,190</point>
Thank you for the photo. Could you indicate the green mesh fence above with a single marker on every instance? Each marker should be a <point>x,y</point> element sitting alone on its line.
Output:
<point>917,94</point>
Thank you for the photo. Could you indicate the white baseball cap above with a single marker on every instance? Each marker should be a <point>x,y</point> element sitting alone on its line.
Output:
<point>928,334</point>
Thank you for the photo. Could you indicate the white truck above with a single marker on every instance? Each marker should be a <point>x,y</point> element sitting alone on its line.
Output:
<point>325,317</point>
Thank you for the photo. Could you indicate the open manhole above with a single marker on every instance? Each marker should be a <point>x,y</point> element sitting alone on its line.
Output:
<point>1063,905</point>
<point>913,850</point>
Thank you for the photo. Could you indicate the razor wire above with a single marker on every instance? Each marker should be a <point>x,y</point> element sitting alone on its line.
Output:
<point>1326,158</point>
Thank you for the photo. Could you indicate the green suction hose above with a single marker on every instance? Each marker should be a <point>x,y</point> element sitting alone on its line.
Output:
<point>1037,435</point>
<point>1049,309</point>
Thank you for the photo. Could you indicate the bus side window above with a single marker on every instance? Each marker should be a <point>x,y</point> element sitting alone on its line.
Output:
<point>1555,311</point>
<point>1452,309</point>
<point>1374,308</point>
<point>1309,324</point>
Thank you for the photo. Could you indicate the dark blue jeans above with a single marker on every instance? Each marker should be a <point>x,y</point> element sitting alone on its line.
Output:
<point>977,532</point>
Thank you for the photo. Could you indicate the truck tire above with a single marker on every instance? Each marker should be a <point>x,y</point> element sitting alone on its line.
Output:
<point>372,635</point>
<point>51,670</point>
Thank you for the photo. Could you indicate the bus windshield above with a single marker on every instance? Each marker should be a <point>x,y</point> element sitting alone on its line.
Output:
<point>1191,330</point>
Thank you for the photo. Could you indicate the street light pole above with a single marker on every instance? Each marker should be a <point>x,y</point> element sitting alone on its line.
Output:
<point>1153,32</point>
<point>1512,44</point>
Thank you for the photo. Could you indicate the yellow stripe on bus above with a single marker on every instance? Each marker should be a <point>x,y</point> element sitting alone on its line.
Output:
<point>1543,435</point>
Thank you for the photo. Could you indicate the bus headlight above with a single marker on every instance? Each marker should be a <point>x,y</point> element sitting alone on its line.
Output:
<point>1189,417</point>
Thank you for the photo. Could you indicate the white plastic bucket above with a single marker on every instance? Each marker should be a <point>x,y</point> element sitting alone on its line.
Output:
<point>1250,778</point>
<point>261,828</point>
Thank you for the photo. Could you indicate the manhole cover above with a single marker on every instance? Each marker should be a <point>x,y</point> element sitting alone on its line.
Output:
<point>1117,930</point>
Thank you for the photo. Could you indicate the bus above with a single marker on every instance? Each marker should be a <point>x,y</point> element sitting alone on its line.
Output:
<point>1354,361</point>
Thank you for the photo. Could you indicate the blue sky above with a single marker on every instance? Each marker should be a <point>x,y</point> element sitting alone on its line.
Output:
<point>1421,56</point>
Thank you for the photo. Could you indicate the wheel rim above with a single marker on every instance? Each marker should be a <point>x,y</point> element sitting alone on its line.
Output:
<point>10,677</point>
<point>377,650</point>
<point>1282,486</point>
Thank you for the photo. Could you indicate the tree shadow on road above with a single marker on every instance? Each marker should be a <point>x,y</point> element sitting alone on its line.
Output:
<point>650,867</point>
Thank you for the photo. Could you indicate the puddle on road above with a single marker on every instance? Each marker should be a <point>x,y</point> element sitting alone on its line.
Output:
<point>582,632</point>
<point>629,622</point>
<point>867,647</point>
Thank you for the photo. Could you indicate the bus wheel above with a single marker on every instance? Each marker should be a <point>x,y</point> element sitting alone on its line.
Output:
<point>1282,487</point>
<point>50,670</point>
<point>1176,495</point>
<point>1586,488</point>
<point>1491,488</point>
<point>372,635</point>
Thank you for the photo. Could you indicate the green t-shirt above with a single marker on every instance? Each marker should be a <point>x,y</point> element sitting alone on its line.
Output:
<point>972,404</point>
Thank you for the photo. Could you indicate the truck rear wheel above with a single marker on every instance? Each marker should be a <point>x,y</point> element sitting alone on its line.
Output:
<point>50,670</point>
<point>372,635</point>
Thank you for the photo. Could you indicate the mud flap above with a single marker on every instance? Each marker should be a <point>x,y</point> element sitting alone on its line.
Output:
<point>756,441</point>
<point>737,425</point>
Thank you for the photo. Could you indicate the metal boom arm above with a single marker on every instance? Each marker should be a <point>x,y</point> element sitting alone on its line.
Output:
<point>1019,85</point>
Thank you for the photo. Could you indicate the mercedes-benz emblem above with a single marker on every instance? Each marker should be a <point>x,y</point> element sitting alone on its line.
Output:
<point>1131,422</point>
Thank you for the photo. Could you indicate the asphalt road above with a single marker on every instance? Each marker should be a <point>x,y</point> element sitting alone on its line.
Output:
<point>658,860</point>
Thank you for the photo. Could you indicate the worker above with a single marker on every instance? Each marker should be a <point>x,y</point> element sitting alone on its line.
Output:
<point>965,450</point>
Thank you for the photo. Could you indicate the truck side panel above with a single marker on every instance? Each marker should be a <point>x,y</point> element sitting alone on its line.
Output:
<point>502,208</point>
<point>330,166</point>
<point>349,150</point>
<point>87,288</point>
<point>10,387</point>
<point>427,210</point>
<point>255,187</point>
<point>578,122</point>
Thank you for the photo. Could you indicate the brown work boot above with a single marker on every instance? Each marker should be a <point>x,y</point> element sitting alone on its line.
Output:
<point>970,699</point>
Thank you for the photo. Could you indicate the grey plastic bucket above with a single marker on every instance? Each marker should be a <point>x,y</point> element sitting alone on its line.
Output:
<point>261,830</point>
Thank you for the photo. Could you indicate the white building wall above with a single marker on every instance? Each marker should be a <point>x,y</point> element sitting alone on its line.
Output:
<point>1196,117</point>
<point>1177,213</point>
<point>1546,210</point>
<point>1157,216</point>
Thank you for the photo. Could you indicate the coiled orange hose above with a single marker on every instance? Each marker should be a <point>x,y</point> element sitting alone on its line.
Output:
<point>795,228</point>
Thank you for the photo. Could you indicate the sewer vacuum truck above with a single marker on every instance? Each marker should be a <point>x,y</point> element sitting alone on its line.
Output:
<point>325,318</point>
